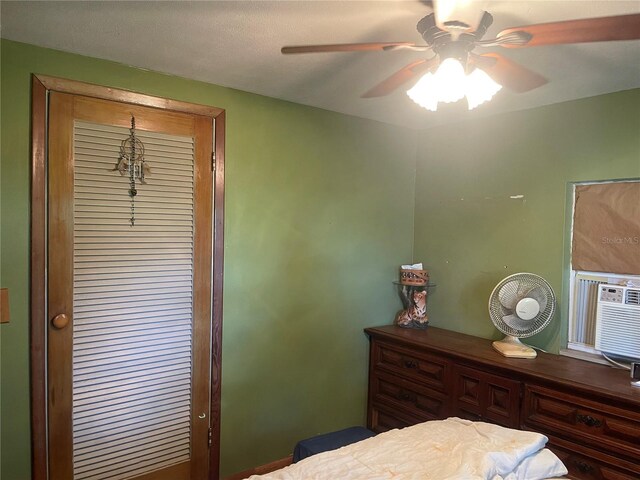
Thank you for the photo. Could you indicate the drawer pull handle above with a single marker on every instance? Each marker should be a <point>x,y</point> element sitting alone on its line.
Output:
<point>589,421</point>
<point>404,396</point>
<point>411,364</point>
<point>584,467</point>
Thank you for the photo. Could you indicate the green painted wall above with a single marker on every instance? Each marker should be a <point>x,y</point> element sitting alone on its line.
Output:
<point>471,234</point>
<point>318,216</point>
<point>319,213</point>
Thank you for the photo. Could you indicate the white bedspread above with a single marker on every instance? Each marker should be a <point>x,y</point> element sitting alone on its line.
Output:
<point>438,450</point>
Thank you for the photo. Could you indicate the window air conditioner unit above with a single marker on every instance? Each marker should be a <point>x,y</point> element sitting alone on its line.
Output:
<point>618,321</point>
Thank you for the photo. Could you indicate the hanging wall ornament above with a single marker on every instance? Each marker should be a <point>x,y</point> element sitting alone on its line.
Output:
<point>131,163</point>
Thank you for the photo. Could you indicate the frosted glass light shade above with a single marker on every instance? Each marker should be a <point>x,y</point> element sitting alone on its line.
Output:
<point>450,81</point>
<point>424,92</point>
<point>480,88</point>
<point>450,84</point>
<point>447,85</point>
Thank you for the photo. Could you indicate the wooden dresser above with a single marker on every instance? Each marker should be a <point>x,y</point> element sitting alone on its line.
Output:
<point>590,412</point>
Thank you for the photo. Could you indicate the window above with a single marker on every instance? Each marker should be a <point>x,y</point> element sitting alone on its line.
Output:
<point>605,248</point>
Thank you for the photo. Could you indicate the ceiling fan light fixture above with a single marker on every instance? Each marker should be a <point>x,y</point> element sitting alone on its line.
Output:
<point>480,88</point>
<point>450,81</point>
<point>450,84</point>
<point>424,93</point>
<point>447,85</point>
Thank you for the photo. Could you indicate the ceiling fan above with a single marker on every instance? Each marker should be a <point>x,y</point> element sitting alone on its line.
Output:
<point>454,31</point>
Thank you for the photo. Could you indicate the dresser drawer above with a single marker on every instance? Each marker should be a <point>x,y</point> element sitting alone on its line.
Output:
<point>592,465</point>
<point>585,421</point>
<point>429,370</point>
<point>409,397</point>
<point>479,395</point>
<point>383,418</point>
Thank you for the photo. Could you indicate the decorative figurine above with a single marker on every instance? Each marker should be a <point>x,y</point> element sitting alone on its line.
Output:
<point>413,289</point>
<point>416,313</point>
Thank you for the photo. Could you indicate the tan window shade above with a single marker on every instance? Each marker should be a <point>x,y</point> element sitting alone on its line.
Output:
<point>606,228</point>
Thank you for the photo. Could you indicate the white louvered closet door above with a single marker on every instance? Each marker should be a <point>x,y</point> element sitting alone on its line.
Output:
<point>128,371</point>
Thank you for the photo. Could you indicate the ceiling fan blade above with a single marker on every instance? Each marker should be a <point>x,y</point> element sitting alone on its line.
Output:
<point>344,47</point>
<point>400,77</point>
<point>508,73</point>
<point>601,29</point>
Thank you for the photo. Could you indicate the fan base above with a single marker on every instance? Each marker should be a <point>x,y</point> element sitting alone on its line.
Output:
<point>513,348</point>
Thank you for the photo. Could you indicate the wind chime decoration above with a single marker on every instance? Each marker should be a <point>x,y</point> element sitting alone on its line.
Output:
<point>131,162</point>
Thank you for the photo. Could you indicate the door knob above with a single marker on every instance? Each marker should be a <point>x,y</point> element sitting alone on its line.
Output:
<point>60,321</point>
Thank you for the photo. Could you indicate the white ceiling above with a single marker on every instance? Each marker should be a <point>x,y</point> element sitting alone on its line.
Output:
<point>237,44</point>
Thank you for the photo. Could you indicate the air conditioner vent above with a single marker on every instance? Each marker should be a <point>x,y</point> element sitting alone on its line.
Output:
<point>618,322</point>
<point>633,297</point>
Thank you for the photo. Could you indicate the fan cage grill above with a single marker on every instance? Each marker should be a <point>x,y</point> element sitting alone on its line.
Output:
<point>526,282</point>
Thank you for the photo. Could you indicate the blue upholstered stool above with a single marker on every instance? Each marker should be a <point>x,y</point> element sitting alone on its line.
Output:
<point>329,441</point>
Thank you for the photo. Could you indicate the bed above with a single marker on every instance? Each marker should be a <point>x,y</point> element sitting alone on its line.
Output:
<point>451,449</point>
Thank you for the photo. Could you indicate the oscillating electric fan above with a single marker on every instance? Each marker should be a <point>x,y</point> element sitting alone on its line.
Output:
<point>520,306</point>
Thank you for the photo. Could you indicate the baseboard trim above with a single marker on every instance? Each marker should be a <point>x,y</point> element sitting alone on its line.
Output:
<point>262,469</point>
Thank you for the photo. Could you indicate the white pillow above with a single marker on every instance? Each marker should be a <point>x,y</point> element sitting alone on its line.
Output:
<point>541,465</point>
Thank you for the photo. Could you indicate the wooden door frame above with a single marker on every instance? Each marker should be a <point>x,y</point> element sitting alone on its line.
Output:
<point>41,85</point>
